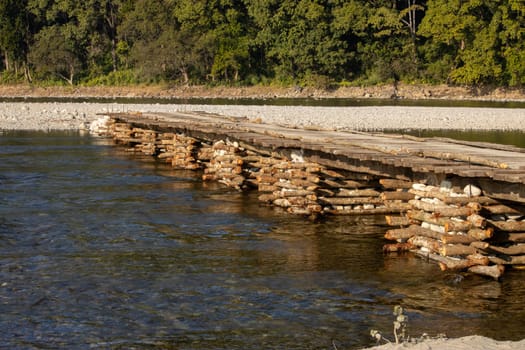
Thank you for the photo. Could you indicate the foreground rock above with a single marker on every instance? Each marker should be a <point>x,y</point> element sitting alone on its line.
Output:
<point>78,116</point>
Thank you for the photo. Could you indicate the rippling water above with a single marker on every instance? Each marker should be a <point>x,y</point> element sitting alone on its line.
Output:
<point>102,250</point>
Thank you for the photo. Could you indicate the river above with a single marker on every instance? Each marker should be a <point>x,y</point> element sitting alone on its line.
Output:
<point>99,249</point>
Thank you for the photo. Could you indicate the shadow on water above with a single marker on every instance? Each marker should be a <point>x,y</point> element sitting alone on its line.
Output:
<point>101,249</point>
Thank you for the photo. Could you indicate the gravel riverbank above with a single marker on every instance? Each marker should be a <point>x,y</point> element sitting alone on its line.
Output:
<point>75,116</point>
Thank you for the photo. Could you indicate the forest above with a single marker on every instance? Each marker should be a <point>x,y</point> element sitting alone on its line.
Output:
<point>317,43</point>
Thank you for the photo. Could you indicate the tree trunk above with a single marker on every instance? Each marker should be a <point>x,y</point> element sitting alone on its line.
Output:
<point>6,61</point>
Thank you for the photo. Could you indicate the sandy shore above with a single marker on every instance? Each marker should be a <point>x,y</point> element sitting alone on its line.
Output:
<point>75,116</point>
<point>466,343</point>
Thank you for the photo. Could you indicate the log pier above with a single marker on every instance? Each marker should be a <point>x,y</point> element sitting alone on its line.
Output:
<point>461,204</point>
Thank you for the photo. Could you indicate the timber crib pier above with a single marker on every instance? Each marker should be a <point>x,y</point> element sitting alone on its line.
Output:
<point>461,204</point>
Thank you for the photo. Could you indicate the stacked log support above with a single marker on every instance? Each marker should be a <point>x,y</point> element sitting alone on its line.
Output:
<point>460,229</point>
<point>350,193</point>
<point>179,150</point>
<point>137,139</point>
<point>288,184</point>
<point>225,164</point>
<point>453,228</point>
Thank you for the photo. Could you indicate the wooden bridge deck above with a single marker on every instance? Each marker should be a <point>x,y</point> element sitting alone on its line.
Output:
<point>498,169</point>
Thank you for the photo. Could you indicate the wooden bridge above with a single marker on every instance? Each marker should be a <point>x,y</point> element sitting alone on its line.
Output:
<point>498,169</point>
<point>452,199</point>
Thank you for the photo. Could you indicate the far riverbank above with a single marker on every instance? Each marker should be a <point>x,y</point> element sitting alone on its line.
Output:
<point>403,91</point>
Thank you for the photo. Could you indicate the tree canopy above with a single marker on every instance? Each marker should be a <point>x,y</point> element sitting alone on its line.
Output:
<point>305,42</point>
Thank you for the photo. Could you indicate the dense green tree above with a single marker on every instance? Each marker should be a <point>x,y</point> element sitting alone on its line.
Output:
<point>14,35</point>
<point>512,37</point>
<point>312,42</point>
<point>297,38</point>
<point>55,53</point>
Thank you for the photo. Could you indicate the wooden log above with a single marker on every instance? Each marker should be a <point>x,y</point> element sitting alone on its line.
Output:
<point>476,207</point>
<point>397,247</point>
<point>296,165</point>
<point>297,174</point>
<point>350,200</point>
<point>395,184</point>
<point>508,260</point>
<point>441,210</point>
<point>480,245</point>
<point>478,259</point>
<point>518,249</point>
<point>229,158</point>
<point>447,223</point>
<point>500,209</point>
<point>299,211</point>
<point>425,242</point>
<point>344,192</point>
<point>282,202</point>
<point>494,271</point>
<point>397,195</point>
<point>457,239</point>
<point>508,226</point>
<point>267,179</point>
<point>447,263</point>
<point>447,199</point>
<point>397,220</point>
<point>433,227</point>
<point>477,220</point>
<point>361,211</point>
<point>402,234</point>
<point>457,249</point>
<point>296,193</point>
<point>308,182</point>
<point>165,155</point>
<point>344,184</point>
<point>397,206</point>
<point>332,174</point>
<point>457,226</point>
<point>297,201</point>
<point>480,234</point>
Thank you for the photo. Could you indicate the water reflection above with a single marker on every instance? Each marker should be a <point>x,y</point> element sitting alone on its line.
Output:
<point>100,250</point>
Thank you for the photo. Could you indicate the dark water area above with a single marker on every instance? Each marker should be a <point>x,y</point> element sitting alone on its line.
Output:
<point>99,249</point>
<point>281,101</point>
<point>512,138</point>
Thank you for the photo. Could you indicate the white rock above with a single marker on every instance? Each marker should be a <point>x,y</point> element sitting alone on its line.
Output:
<point>472,191</point>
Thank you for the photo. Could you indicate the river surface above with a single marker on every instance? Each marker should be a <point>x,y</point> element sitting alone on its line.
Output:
<point>99,249</point>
